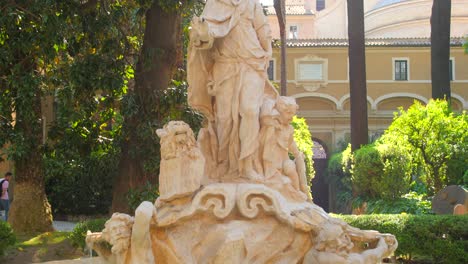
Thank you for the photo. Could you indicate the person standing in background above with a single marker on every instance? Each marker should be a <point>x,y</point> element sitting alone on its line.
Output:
<point>4,198</point>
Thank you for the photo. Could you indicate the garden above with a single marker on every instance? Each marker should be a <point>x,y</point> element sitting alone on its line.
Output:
<point>391,182</point>
<point>98,152</point>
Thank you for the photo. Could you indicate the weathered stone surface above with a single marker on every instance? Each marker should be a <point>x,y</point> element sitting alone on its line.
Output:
<point>182,163</point>
<point>446,199</point>
<point>235,195</point>
<point>459,209</point>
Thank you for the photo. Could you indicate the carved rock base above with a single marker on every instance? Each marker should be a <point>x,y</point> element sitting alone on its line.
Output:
<point>207,240</point>
<point>236,223</point>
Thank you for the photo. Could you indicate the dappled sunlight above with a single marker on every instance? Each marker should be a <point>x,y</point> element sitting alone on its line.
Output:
<point>45,239</point>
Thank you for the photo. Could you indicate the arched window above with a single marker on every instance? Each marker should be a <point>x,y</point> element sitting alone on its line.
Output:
<point>320,5</point>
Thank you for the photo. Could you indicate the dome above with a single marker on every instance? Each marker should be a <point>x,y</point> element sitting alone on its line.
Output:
<point>383,3</point>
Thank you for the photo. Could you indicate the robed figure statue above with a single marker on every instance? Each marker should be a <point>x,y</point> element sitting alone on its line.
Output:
<point>229,52</point>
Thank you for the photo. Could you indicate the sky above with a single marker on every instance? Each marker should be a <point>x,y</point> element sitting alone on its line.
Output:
<point>266,2</point>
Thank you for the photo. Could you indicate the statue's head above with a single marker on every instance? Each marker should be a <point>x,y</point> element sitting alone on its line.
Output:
<point>286,106</point>
<point>200,33</point>
<point>333,237</point>
<point>118,231</point>
<point>176,138</point>
<point>391,242</point>
<point>178,131</point>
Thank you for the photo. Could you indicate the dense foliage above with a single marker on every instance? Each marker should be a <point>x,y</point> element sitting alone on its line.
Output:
<point>381,171</point>
<point>442,239</point>
<point>436,140</point>
<point>172,105</point>
<point>7,237</point>
<point>80,174</point>
<point>423,150</point>
<point>147,192</point>
<point>305,144</point>
<point>79,185</point>
<point>410,203</point>
<point>92,75</point>
<point>339,175</point>
<point>79,59</point>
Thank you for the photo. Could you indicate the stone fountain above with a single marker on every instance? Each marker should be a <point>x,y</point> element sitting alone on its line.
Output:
<point>234,195</point>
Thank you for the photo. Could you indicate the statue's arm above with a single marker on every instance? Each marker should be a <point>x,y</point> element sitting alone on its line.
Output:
<point>96,242</point>
<point>262,28</point>
<point>143,215</point>
<point>141,250</point>
<point>294,149</point>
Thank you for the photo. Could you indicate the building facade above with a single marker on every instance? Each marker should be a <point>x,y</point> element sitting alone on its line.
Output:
<point>398,61</point>
<point>398,68</point>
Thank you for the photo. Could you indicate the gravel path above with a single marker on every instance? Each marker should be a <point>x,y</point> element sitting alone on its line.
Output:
<point>64,226</point>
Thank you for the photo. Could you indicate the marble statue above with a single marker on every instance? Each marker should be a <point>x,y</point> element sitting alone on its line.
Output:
<point>125,239</point>
<point>182,163</point>
<point>277,141</point>
<point>237,193</point>
<point>228,58</point>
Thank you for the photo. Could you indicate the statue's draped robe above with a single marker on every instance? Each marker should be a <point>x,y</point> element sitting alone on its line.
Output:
<point>233,72</point>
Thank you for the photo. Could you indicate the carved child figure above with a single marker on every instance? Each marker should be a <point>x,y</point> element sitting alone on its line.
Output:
<point>278,141</point>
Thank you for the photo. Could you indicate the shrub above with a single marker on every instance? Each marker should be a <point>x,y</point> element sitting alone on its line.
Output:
<point>436,137</point>
<point>78,235</point>
<point>7,237</point>
<point>339,167</point>
<point>334,169</point>
<point>410,203</point>
<point>338,175</point>
<point>457,167</point>
<point>367,169</point>
<point>305,144</point>
<point>381,170</point>
<point>441,238</point>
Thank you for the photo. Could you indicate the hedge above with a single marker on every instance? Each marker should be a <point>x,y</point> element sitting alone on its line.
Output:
<point>443,239</point>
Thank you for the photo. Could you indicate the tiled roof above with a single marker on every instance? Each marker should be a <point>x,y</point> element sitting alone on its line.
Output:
<point>290,10</point>
<point>375,42</point>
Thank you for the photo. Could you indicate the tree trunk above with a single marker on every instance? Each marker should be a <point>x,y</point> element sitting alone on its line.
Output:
<point>357,74</point>
<point>438,184</point>
<point>154,70</point>
<point>281,15</point>
<point>440,49</point>
<point>30,211</point>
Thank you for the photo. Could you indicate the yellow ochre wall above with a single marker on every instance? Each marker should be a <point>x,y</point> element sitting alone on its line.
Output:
<point>327,108</point>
